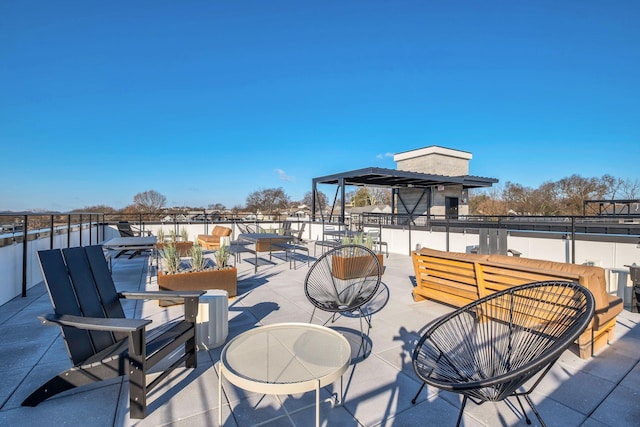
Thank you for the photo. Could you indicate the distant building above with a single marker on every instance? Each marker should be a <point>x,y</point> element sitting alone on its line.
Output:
<point>442,199</point>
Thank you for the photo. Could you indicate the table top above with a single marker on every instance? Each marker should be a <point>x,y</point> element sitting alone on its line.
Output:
<point>254,237</point>
<point>130,241</point>
<point>348,233</point>
<point>286,358</point>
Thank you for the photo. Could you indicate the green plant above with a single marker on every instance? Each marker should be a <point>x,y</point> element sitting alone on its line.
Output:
<point>184,234</point>
<point>172,235</point>
<point>358,239</point>
<point>222,256</point>
<point>170,259</point>
<point>197,258</point>
<point>160,234</point>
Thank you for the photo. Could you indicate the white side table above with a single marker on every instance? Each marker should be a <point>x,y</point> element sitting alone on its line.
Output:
<point>212,323</point>
<point>284,358</point>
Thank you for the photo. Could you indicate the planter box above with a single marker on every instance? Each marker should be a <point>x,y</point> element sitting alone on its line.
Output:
<point>183,248</point>
<point>265,245</point>
<point>225,279</point>
<point>351,267</point>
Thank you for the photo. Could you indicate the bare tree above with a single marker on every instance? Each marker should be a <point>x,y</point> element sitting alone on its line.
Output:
<point>321,199</point>
<point>268,200</point>
<point>380,196</point>
<point>630,189</point>
<point>563,197</point>
<point>515,197</point>
<point>149,201</point>
<point>488,202</point>
<point>96,208</point>
<point>574,190</point>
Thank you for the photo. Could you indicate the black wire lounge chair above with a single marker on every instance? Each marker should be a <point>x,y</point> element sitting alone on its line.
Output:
<point>488,349</point>
<point>101,342</point>
<point>342,281</point>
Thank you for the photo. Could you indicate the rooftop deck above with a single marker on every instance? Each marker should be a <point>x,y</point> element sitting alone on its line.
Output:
<point>601,391</point>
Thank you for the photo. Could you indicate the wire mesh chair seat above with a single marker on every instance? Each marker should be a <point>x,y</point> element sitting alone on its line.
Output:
<point>342,281</point>
<point>489,349</point>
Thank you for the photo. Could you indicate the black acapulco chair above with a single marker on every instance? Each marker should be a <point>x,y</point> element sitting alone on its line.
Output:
<point>342,281</point>
<point>101,342</point>
<point>488,349</point>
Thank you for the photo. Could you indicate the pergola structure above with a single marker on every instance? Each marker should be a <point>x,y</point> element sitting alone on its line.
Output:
<point>393,179</point>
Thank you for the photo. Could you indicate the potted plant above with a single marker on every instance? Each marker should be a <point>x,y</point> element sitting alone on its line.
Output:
<point>352,262</point>
<point>199,273</point>
<point>160,235</point>
<point>182,246</point>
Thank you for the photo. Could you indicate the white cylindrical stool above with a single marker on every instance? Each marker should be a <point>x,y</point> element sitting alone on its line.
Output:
<point>212,323</point>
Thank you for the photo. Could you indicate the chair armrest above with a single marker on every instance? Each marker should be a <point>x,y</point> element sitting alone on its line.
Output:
<point>191,299</point>
<point>161,294</point>
<point>95,323</point>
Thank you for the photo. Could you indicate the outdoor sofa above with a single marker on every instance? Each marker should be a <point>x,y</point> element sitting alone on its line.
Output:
<point>460,278</point>
<point>212,241</point>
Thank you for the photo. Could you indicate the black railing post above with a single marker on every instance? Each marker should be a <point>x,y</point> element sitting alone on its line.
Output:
<point>68,230</point>
<point>80,228</point>
<point>25,231</point>
<point>410,240</point>
<point>51,235</point>
<point>573,240</point>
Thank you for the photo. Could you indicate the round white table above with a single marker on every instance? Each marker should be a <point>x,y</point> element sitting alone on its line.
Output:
<point>284,358</point>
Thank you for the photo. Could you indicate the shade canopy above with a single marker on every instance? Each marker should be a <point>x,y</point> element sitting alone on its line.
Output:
<point>393,178</point>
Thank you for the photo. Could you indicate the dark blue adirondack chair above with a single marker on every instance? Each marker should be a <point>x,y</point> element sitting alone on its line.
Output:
<point>101,342</point>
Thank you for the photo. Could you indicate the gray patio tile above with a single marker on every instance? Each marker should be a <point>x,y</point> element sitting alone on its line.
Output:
<point>626,344</point>
<point>610,364</point>
<point>632,380</point>
<point>255,409</point>
<point>432,411</point>
<point>9,382</point>
<point>92,407</point>
<point>57,351</point>
<point>385,337</point>
<point>509,413</point>
<point>620,408</point>
<point>375,390</point>
<point>206,419</point>
<point>400,357</point>
<point>329,416</point>
<point>580,391</point>
<point>185,393</point>
<point>24,354</point>
<point>590,422</point>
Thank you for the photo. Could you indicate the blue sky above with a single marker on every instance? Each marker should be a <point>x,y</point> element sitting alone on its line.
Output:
<point>208,101</point>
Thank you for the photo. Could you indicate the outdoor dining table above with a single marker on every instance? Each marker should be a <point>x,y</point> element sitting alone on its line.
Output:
<point>126,244</point>
<point>262,240</point>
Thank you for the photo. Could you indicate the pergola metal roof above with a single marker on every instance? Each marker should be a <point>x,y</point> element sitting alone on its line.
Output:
<point>393,178</point>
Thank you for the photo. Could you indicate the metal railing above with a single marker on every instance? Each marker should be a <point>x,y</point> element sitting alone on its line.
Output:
<point>79,229</point>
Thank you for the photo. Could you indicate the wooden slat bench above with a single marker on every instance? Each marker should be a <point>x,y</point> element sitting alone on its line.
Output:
<point>458,279</point>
